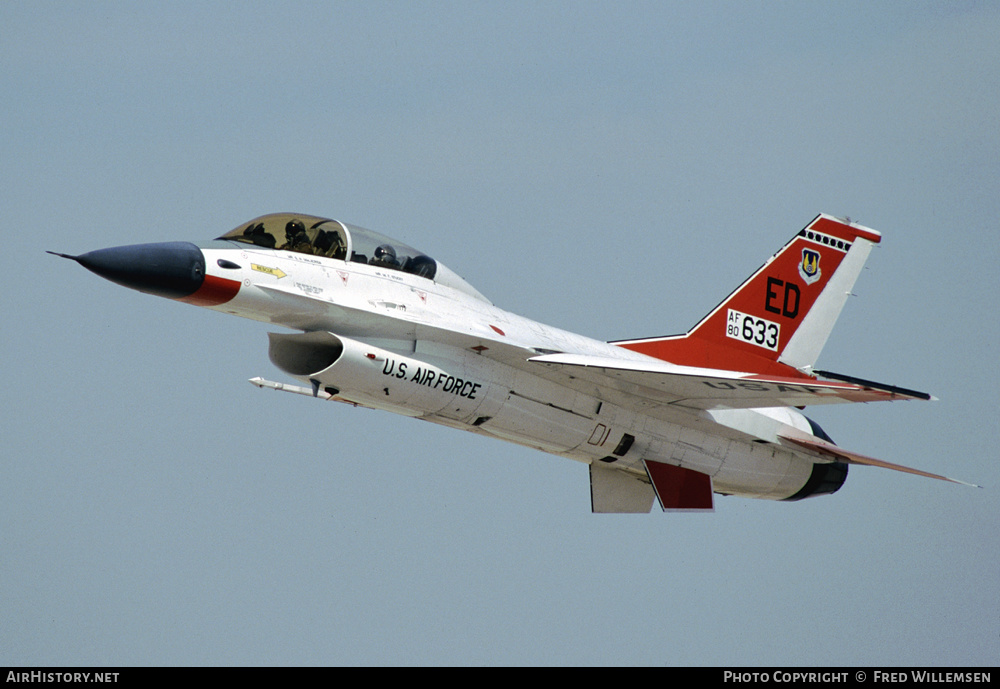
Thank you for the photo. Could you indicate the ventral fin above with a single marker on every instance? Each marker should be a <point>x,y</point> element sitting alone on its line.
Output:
<point>680,489</point>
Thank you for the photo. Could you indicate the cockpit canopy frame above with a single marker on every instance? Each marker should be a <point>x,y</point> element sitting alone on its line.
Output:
<point>333,239</point>
<point>314,236</point>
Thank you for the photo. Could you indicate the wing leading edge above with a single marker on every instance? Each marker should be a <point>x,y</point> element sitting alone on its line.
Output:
<point>704,388</point>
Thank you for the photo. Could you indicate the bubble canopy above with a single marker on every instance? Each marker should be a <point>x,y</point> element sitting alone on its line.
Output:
<point>332,239</point>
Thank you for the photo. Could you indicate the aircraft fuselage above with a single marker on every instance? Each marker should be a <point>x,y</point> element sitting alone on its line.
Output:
<point>377,324</point>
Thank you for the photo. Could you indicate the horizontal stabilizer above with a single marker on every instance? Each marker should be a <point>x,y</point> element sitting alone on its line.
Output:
<point>680,489</point>
<point>705,388</point>
<point>831,450</point>
<point>876,386</point>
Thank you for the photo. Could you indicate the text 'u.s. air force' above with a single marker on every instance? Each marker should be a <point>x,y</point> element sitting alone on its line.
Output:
<point>432,378</point>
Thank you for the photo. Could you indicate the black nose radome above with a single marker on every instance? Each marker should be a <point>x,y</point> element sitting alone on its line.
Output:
<point>167,269</point>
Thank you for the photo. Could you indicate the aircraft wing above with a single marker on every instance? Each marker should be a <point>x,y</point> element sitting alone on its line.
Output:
<point>702,388</point>
<point>645,380</point>
<point>304,312</point>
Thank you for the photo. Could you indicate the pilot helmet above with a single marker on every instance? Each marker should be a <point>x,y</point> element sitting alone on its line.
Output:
<point>294,228</point>
<point>385,253</point>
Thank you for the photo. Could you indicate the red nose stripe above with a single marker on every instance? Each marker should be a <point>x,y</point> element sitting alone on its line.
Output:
<point>213,291</point>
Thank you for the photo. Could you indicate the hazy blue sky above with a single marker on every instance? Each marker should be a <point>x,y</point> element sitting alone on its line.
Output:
<point>610,168</point>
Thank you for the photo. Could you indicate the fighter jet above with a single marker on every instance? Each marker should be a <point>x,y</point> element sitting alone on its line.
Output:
<point>675,419</point>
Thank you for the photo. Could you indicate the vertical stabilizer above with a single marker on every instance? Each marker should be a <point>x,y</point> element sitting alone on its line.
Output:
<point>778,320</point>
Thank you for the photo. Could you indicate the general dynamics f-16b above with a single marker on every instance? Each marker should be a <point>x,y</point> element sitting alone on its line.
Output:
<point>678,419</point>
